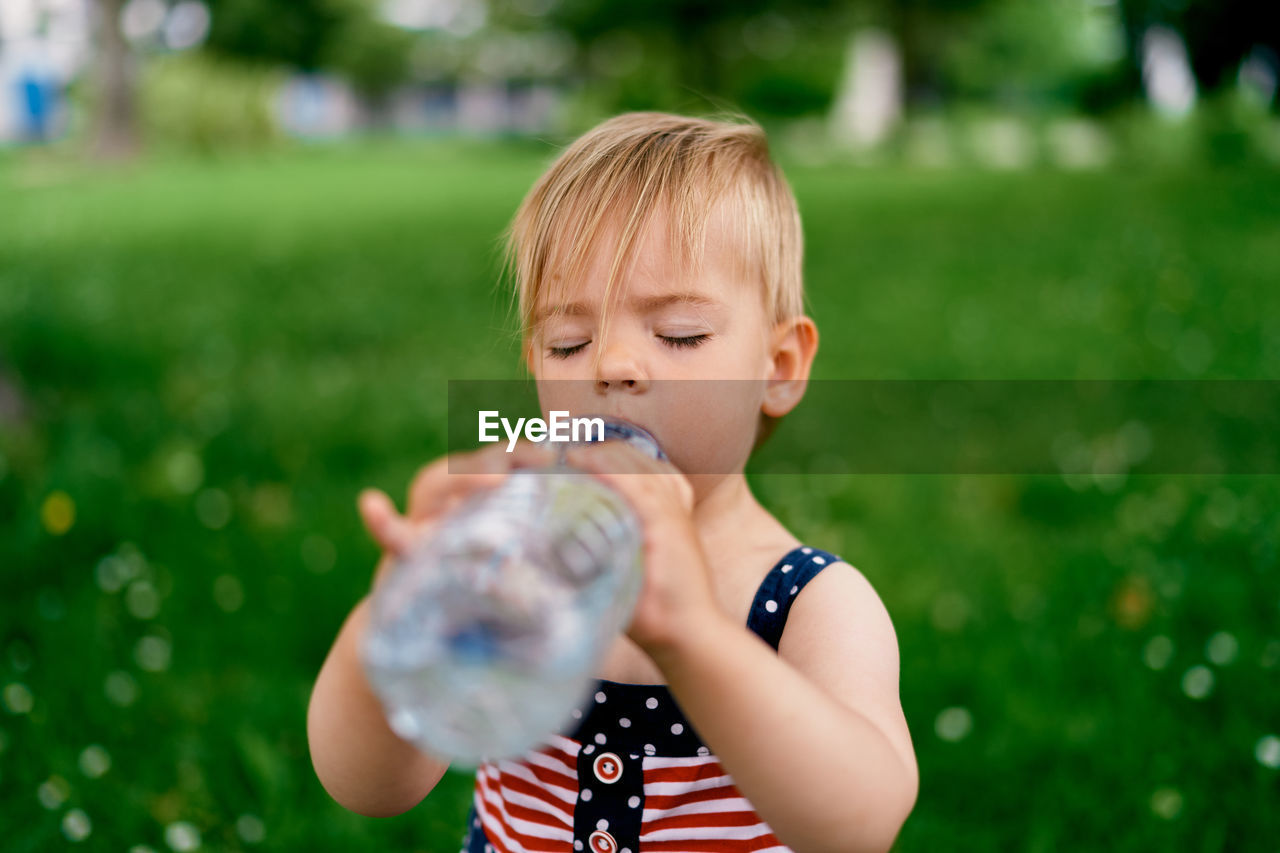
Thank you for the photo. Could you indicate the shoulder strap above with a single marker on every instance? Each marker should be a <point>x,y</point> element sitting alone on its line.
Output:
<point>781,586</point>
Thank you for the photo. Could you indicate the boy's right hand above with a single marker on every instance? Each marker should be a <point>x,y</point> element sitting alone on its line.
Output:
<point>436,490</point>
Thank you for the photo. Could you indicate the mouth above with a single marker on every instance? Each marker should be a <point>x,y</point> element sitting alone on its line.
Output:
<point>637,435</point>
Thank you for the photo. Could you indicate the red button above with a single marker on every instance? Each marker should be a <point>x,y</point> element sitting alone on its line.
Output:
<point>602,842</point>
<point>608,768</point>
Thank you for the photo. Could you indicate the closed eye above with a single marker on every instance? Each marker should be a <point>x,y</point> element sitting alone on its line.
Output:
<point>684,343</point>
<point>565,352</point>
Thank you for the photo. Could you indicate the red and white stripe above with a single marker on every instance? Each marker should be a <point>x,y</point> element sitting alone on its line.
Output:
<point>691,805</point>
<point>527,805</point>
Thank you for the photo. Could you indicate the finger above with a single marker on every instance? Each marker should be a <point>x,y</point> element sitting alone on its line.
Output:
<point>449,480</point>
<point>615,458</point>
<point>446,481</point>
<point>527,454</point>
<point>617,466</point>
<point>615,472</point>
<point>389,529</point>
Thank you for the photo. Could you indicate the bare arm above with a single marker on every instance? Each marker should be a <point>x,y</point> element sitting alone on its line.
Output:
<point>814,738</point>
<point>359,760</point>
<point>363,765</point>
<point>814,735</point>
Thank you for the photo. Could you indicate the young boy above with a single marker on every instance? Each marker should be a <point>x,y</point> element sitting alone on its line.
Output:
<point>659,247</point>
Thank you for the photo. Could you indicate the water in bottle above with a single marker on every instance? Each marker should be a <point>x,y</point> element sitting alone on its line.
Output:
<point>485,637</point>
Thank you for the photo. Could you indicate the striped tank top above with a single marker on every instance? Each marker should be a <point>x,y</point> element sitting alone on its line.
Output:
<point>633,776</point>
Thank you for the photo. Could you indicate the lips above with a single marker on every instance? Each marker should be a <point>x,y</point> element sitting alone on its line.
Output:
<point>634,434</point>
<point>632,422</point>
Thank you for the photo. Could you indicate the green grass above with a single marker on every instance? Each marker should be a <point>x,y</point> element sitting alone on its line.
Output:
<point>213,358</point>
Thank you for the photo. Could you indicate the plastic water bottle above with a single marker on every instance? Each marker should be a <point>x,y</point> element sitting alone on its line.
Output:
<point>485,637</point>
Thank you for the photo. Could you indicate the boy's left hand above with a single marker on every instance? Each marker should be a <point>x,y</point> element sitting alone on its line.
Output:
<point>676,591</point>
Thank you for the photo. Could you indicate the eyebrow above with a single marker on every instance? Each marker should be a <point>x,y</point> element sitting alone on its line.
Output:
<point>644,304</point>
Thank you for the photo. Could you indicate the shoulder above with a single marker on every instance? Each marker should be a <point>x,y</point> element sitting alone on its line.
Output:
<point>839,634</point>
<point>840,606</point>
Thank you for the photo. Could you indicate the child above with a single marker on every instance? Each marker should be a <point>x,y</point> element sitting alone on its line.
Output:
<point>660,247</point>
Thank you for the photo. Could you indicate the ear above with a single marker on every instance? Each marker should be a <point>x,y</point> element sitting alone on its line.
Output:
<point>793,345</point>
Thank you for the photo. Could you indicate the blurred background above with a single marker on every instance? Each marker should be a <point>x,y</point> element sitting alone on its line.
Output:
<point>245,243</point>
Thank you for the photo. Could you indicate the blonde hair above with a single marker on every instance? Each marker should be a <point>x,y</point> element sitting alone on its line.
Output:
<point>635,165</point>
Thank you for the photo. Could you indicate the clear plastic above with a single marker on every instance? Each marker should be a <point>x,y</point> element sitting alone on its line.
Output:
<point>484,638</point>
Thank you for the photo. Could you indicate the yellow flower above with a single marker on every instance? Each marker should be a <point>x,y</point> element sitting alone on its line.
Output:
<point>58,513</point>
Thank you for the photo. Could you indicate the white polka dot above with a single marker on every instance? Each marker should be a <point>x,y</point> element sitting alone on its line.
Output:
<point>586,795</point>
<point>794,590</point>
<point>702,750</point>
<point>600,738</point>
<point>634,756</point>
<point>648,749</point>
<point>588,749</point>
<point>600,697</point>
<point>625,850</point>
<point>771,606</point>
<point>651,703</point>
<point>788,567</point>
<point>476,823</point>
<point>488,848</point>
<point>806,550</point>
<point>677,728</point>
<point>634,802</point>
<point>625,723</point>
<point>577,845</point>
<point>821,561</point>
<point>577,715</point>
<point>602,824</point>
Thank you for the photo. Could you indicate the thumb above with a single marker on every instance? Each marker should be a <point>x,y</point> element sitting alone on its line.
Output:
<point>389,529</point>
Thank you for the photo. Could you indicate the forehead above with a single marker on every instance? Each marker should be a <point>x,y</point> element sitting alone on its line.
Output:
<point>660,261</point>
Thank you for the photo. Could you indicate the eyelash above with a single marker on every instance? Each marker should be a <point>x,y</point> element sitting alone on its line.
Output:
<point>675,343</point>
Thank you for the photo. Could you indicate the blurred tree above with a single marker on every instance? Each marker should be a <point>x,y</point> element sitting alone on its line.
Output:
<point>372,54</point>
<point>924,29</point>
<point>689,37</point>
<point>1037,55</point>
<point>1219,34</point>
<point>298,33</point>
<point>346,36</point>
<point>687,34</point>
<point>115,114</point>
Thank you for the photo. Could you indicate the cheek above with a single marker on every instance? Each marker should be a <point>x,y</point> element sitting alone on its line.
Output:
<point>744,357</point>
<point>710,424</point>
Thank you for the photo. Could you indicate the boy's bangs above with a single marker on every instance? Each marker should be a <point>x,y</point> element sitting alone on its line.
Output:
<point>603,192</point>
<point>612,227</point>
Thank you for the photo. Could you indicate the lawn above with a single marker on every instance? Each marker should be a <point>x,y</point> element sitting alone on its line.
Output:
<point>202,362</point>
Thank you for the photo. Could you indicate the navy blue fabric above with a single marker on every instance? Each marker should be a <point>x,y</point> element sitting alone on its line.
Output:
<point>639,718</point>
<point>774,598</point>
<point>474,842</point>
<point>615,807</point>
<point>633,721</point>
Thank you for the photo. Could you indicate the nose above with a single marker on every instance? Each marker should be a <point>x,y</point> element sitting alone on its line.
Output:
<point>619,368</point>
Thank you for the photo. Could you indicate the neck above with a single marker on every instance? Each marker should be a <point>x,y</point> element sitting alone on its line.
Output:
<point>724,508</point>
<point>739,537</point>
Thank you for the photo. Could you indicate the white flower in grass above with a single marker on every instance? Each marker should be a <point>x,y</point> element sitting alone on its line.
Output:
<point>953,724</point>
